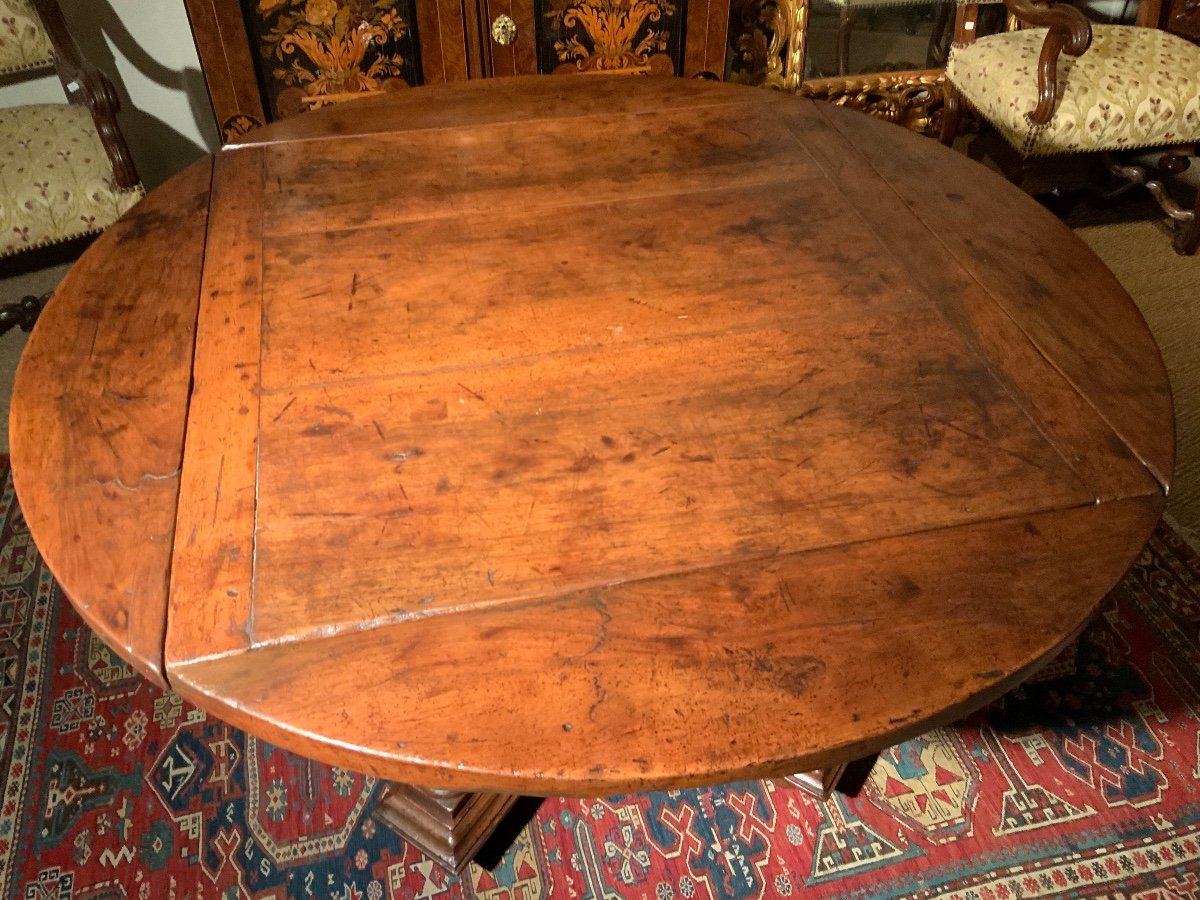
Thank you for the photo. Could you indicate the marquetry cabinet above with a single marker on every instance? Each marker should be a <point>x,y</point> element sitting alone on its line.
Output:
<point>269,59</point>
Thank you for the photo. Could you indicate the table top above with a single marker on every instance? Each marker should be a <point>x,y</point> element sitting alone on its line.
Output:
<point>576,435</point>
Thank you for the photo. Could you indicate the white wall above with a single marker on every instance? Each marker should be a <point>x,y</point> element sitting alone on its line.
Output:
<point>146,48</point>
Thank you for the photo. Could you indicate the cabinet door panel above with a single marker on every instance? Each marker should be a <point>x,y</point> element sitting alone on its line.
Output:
<point>664,37</point>
<point>521,56</point>
<point>446,52</point>
<point>312,52</point>
<point>268,59</point>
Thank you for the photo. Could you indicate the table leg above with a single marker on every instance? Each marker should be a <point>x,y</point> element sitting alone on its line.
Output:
<point>819,782</point>
<point>846,778</point>
<point>450,827</point>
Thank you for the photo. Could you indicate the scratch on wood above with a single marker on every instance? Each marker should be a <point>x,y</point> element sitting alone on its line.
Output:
<point>103,432</point>
<point>786,593</point>
<point>405,455</point>
<point>286,407</point>
<point>636,302</point>
<point>133,488</point>
<point>816,370</point>
<point>605,617</point>
<point>404,494</point>
<point>345,514</point>
<point>475,394</point>
<point>217,493</point>
<point>379,429</point>
<point>933,487</point>
<point>354,285</point>
<point>811,411</point>
<point>981,439</point>
<point>601,694</point>
<point>859,471</point>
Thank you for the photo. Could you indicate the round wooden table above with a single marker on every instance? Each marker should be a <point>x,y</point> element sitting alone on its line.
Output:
<point>586,435</point>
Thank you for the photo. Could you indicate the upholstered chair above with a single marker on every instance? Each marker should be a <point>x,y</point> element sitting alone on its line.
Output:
<point>65,169</point>
<point>1066,86</point>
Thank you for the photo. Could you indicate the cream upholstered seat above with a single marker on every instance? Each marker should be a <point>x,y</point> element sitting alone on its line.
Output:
<point>56,182</point>
<point>1067,86</point>
<point>1133,87</point>
<point>65,170</point>
<point>24,43</point>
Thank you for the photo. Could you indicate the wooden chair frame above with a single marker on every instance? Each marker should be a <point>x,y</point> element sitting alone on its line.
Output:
<point>85,85</point>
<point>1070,32</point>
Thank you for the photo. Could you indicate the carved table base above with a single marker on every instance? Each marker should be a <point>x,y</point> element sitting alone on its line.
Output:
<point>819,782</point>
<point>451,827</point>
<point>448,826</point>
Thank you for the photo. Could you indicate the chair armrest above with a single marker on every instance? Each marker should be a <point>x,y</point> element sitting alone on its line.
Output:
<point>1068,31</point>
<point>88,86</point>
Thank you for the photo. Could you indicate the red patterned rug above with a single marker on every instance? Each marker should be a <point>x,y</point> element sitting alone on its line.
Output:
<point>1082,786</point>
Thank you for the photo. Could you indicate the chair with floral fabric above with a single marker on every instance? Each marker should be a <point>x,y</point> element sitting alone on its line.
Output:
<point>65,170</point>
<point>1068,86</point>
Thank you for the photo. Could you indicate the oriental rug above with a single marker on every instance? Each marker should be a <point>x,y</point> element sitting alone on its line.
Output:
<point>1083,785</point>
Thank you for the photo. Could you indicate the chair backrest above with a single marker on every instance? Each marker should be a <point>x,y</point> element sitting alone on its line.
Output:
<point>24,41</point>
<point>34,35</point>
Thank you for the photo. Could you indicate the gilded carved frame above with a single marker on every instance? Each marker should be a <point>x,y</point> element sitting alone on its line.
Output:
<point>912,98</point>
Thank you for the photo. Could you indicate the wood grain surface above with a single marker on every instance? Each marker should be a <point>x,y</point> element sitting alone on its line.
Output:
<point>97,419</point>
<point>585,435</point>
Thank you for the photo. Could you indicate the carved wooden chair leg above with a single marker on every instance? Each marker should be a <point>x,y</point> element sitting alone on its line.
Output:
<point>1011,163</point>
<point>23,313</point>
<point>952,112</point>
<point>1186,221</point>
<point>1187,235</point>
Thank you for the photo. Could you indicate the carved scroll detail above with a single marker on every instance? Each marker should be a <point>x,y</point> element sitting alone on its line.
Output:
<point>912,99</point>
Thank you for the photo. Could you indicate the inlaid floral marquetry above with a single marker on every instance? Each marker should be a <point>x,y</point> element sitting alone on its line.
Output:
<point>611,35</point>
<point>315,52</point>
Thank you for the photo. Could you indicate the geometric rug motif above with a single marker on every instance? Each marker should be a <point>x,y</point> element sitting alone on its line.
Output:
<point>1085,785</point>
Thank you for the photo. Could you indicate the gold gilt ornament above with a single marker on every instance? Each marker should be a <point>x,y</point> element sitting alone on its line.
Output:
<point>911,99</point>
<point>770,51</point>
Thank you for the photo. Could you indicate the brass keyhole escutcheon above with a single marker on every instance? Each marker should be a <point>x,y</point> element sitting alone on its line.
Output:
<point>504,30</point>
